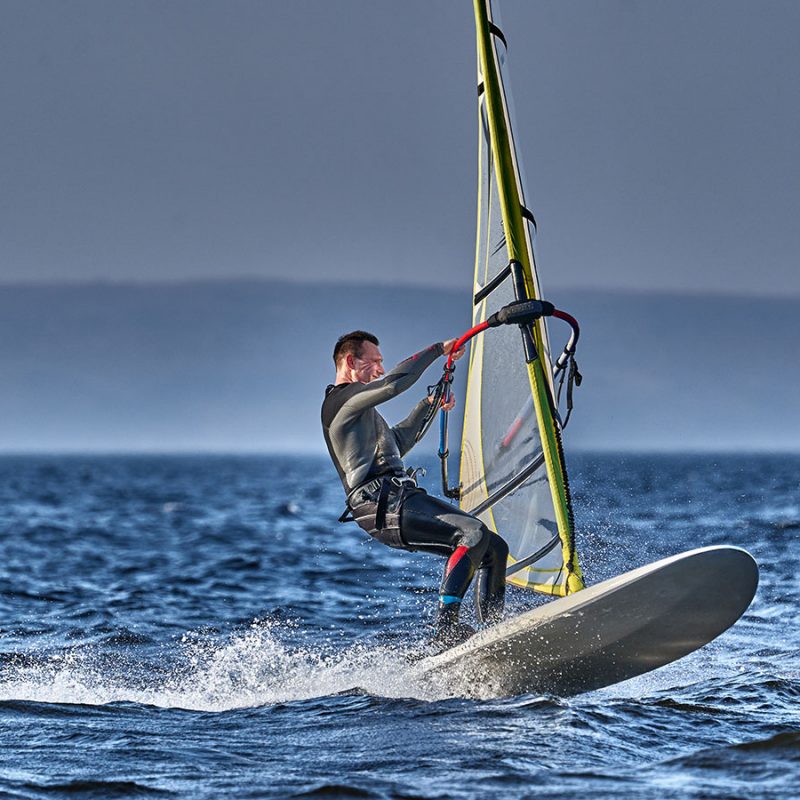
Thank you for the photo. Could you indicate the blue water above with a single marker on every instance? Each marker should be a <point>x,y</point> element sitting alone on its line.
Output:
<point>202,627</point>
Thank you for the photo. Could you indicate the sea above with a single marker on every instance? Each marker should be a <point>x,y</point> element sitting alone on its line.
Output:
<point>203,627</point>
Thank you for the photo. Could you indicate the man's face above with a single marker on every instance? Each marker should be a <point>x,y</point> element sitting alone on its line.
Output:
<point>369,365</point>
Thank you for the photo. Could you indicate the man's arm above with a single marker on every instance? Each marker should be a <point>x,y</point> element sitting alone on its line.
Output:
<point>397,380</point>
<point>405,432</point>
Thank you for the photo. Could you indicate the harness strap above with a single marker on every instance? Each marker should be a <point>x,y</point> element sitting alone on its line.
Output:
<point>369,486</point>
<point>383,500</point>
<point>384,485</point>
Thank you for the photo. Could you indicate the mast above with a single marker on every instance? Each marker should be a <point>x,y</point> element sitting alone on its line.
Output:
<point>510,386</point>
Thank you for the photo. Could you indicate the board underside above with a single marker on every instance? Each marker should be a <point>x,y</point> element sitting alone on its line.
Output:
<point>607,633</point>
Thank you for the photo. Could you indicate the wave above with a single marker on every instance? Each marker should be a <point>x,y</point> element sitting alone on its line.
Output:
<point>772,755</point>
<point>96,788</point>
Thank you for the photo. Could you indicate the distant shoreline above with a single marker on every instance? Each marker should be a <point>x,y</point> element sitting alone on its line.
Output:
<point>246,280</point>
<point>241,366</point>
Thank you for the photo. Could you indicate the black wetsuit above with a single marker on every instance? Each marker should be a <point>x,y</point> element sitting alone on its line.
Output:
<point>386,503</point>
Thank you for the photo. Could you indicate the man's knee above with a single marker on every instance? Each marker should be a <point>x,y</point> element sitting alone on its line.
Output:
<point>476,537</point>
<point>500,548</point>
<point>495,554</point>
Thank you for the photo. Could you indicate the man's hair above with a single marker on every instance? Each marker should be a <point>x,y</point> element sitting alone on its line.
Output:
<point>351,344</point>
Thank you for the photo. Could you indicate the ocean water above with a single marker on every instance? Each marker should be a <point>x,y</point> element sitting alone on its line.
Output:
<point>202,627</point>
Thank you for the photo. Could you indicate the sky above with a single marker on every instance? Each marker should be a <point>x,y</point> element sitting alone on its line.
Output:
<point>317,139</point>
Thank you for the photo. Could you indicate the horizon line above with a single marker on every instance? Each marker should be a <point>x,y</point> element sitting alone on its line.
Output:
<point>241,280</point>
<point>733,450</point>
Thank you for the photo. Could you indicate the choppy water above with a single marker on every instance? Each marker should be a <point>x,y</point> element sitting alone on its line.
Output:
<point>202,627</point>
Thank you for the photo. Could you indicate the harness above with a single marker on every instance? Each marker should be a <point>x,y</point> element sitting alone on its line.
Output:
<point>377,491</point>
<point>375,506</point>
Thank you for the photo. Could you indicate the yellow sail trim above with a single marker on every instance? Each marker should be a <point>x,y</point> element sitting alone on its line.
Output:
<point>473,405</point>
<point>519,249</point>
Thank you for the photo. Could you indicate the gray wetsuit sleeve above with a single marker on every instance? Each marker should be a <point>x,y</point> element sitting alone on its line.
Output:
<point>406,431</point>
<point>397,380</point>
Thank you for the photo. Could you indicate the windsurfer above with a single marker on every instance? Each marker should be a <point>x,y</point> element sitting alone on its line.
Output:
<point>383,497</point>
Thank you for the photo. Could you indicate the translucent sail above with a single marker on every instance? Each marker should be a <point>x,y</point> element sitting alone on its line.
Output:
<point>512,467</point>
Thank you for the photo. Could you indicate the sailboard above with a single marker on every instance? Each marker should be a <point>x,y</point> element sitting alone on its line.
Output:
<point>609,632</point>
<point>513,474</point>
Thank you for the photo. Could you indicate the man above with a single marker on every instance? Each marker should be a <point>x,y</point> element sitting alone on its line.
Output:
<point>385,501</point>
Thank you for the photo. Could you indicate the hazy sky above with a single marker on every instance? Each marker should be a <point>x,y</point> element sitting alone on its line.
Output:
<point>169,140</point>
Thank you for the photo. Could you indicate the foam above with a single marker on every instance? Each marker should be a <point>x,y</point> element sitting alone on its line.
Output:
<point>250,669</point>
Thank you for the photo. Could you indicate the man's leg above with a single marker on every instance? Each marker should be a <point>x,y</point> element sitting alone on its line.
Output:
<point>432,525</point>
<point>490,584</point>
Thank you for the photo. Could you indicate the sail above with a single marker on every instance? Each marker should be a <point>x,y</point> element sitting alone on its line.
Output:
<point>512,472</point>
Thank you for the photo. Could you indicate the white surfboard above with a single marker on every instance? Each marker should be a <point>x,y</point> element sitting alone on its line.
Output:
<point>606,633</point>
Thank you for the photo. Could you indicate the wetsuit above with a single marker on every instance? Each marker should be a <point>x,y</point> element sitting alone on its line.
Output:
<point>387,504</point>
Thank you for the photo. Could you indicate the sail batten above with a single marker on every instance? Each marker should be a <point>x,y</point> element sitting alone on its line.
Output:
<point>512,468</point>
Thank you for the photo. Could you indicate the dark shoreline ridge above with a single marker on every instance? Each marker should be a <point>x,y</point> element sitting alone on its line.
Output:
<point>230,365</point>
